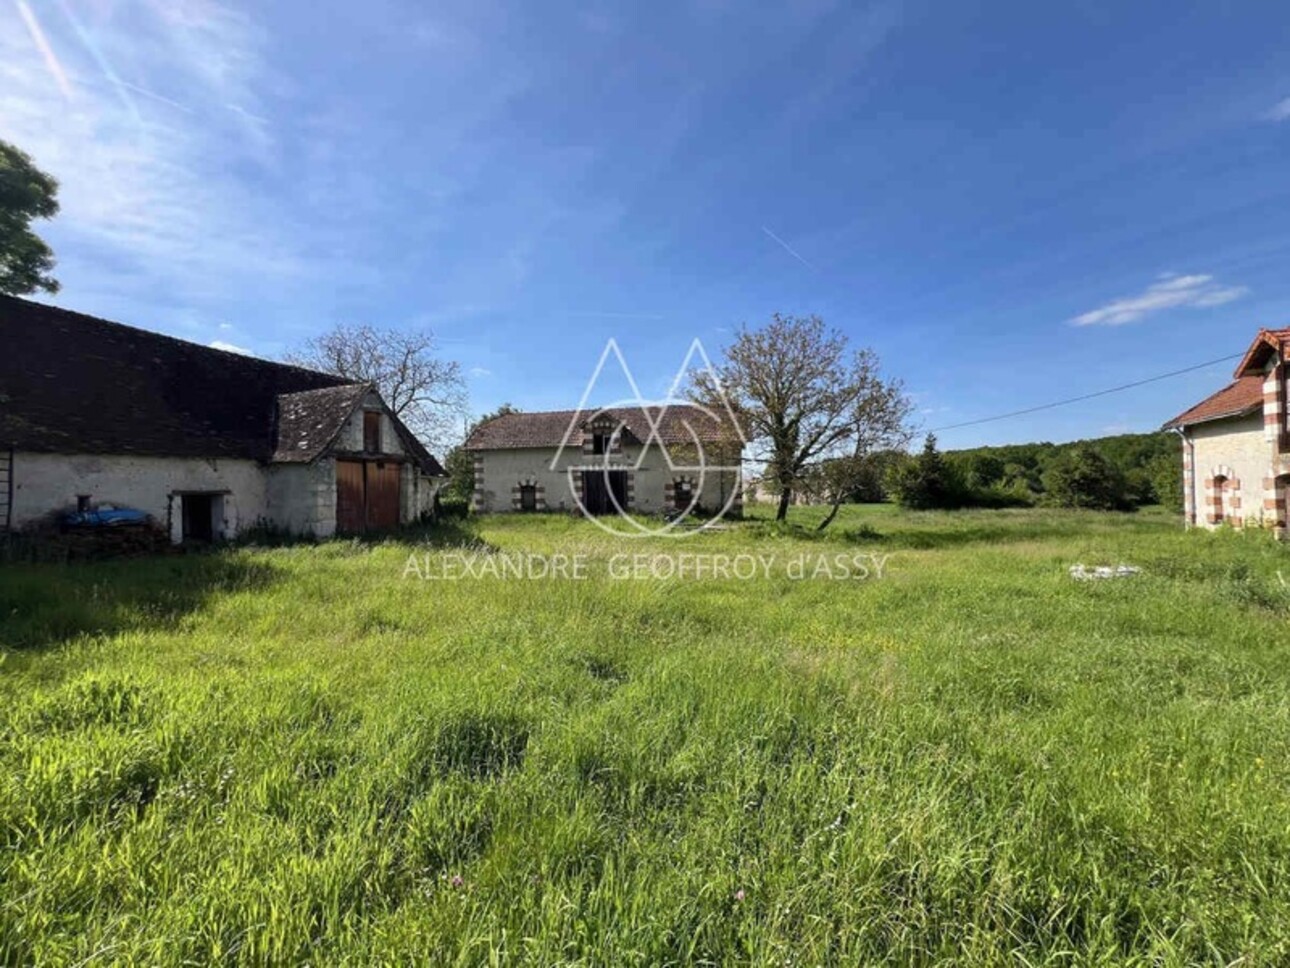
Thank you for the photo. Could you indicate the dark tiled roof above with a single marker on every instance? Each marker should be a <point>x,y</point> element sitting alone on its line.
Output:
<point>309,421</point>
<point>74,384</point>
<point>1242,396</point>
<point>548,428</point>
<point>429,465</point>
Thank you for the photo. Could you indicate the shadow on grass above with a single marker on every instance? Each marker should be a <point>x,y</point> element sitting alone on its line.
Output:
<point>46,605</point>
<point>943,534</point>
<point>959,537</point>
<point>448,532</point>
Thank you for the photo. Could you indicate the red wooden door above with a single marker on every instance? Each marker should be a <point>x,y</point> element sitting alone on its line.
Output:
<point>349,496</point>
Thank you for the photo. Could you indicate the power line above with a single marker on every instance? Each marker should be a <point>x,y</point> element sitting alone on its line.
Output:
<point>1088,396</point>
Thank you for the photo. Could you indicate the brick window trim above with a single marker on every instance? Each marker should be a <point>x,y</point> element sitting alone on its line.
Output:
<point>1223,497</point>
<point>517,494</point>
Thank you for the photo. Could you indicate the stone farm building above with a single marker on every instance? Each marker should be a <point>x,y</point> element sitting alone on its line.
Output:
<point>207,442</point>
<point>634,458</point>
<point>1236,443</point>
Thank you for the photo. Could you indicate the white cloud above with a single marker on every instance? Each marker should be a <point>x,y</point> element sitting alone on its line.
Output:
<point>219,344</point>
<point>1168,292</point>
<point>480,371</point>
<point>1279,113</point>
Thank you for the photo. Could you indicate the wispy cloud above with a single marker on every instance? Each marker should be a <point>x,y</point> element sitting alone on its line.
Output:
<point>219,344</point>
<point>479,372</point>
<point>788,248</point>
<point>152,170</point>
<point>41,43</point>
<point>1168,292</point>
<point>1279,113</point>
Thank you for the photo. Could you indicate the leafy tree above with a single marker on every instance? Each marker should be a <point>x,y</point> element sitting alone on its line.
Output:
<point>1165,471</point>
<point>26,194</point>
<point>1024,466</point>
<point>1083,478</point>
<point>981,470</point>
<point>426,392</point>
<point>804,397</point>
<point>927,481</point>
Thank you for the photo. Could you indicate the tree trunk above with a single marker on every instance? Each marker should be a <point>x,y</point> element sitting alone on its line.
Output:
<point>833,513</point>
<point>785,496</point>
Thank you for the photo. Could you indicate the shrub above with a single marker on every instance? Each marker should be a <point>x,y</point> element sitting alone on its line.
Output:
<point>927,481</point>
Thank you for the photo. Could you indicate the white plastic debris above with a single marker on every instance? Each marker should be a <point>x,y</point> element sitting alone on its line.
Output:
<point>1084,573</point>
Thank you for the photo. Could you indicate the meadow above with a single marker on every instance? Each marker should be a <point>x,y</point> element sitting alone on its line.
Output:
<point>306,755</point>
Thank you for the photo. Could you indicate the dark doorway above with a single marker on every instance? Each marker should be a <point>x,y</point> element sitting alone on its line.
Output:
<point>682,495</point>
<point>601,489</point>
<point>199,517</point>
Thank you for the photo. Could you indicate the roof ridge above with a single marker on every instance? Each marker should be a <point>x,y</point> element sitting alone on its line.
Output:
<point>154,334</point>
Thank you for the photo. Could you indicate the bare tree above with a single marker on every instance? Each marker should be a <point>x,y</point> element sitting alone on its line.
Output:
<point>806,401</point>
<point>426,392</point>
<point>879,422</point>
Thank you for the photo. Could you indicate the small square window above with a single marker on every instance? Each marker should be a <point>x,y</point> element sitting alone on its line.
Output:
<point>600,443</point>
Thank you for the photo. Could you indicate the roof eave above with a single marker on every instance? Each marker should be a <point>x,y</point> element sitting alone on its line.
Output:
<point>1182,422</point>
<point>1252,362</point>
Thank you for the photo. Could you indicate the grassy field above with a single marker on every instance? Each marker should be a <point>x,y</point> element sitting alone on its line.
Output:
<point>307,754</point>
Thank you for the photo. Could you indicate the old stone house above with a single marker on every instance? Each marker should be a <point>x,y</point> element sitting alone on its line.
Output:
<point>1236,443</point>
<point>651,460</point>
<point>207,442</point>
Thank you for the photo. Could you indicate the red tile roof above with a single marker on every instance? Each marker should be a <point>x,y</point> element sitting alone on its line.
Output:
<point>547,428</point>
<point>1243,395</point>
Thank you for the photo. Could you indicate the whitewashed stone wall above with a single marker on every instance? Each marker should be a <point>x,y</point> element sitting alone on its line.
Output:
<point>44,483</point>
<point>1238,450</point>
<point>498,472</point>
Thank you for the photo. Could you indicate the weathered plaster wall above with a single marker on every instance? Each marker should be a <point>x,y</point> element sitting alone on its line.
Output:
<point>302,497</point>
<point>350,437</point>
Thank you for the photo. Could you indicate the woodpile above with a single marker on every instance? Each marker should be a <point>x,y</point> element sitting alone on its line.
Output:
<point>47,541</point>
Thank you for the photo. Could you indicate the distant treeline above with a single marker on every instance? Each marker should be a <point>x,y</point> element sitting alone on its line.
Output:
<point>1110,473</point>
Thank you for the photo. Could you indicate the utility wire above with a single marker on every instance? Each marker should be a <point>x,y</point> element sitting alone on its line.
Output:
<point>1087,396</point>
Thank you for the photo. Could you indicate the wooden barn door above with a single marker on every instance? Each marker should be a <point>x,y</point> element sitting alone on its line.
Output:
<point>367,495</point>
<point>382,495</point>
<point>349,496</point>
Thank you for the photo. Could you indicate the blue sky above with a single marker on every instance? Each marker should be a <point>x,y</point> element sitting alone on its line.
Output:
<point>1010,202</point>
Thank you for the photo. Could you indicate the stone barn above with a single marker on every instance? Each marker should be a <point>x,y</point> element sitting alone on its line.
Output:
<point>207,442</point>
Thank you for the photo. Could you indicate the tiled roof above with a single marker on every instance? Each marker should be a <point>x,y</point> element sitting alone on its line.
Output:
<point>309,421</point>
<point>548,428</point>
<point>1242,396</point>
<point>75,384</point>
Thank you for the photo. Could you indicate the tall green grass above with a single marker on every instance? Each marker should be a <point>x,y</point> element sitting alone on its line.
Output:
<point>296,755</point>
